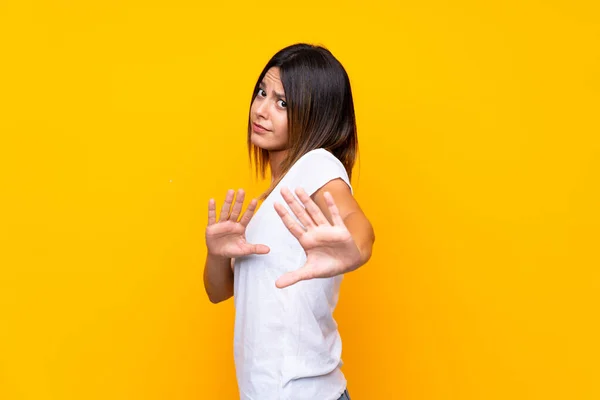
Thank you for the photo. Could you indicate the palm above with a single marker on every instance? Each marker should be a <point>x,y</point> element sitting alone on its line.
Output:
<point>227,237</point>
<point>330,249</point>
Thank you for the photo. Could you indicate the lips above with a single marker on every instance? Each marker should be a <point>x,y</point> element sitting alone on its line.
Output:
<point>259,128</point>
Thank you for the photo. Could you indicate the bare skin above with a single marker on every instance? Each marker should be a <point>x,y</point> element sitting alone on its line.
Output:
<point>336,240</point>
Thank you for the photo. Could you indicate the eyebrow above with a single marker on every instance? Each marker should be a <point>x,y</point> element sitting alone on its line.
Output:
<point>280,95</point>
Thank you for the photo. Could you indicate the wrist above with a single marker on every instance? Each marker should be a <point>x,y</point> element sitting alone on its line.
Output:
<point>365,255</point>
<point>216,257</point>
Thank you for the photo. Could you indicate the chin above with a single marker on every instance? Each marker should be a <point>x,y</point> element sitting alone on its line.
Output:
<point>257,141</point>
<point>261,142</point>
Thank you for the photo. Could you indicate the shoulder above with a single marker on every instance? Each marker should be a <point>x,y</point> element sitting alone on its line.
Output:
<point>320,154</point>
<point>316,168</point>
<point>342,195</point>
<point>320,161</point>
<point>332,177</point>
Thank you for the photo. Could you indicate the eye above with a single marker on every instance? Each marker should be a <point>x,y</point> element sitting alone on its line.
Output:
<point>282,103</point>
<point>261,93</point>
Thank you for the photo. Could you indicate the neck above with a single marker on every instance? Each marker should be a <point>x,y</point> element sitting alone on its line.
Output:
<point>275,160</point>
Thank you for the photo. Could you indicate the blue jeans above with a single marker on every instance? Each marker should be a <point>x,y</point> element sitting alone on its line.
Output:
<point>345,395</point>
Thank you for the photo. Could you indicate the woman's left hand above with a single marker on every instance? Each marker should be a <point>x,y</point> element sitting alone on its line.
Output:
<point>330,249</point>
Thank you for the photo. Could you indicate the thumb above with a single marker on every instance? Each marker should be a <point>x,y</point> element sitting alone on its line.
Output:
<point>290,278</point>
<point>258,249</point>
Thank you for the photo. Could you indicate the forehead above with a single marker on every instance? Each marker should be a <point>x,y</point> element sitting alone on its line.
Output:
<point>272,78</point>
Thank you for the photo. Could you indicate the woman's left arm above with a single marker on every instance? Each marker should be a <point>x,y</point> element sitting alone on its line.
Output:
<point>355,220</point>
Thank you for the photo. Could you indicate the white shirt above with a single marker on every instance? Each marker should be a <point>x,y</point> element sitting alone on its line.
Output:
<point>286,342</point>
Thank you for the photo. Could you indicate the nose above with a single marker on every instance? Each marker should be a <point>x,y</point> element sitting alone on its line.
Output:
<point>262,109</point>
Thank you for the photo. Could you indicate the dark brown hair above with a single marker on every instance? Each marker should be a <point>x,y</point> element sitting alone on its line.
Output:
<point>320,109</point>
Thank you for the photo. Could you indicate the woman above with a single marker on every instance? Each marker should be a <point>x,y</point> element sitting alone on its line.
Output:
<point>284,265</point>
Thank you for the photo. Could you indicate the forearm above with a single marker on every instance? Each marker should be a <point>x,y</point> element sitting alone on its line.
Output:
<point>363,234</point>
<point>218,278</point>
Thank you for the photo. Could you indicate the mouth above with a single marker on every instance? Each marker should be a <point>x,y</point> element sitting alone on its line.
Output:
<point>259,128</point>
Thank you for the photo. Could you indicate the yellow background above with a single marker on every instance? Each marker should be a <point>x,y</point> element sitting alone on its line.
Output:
<point>480,170</point>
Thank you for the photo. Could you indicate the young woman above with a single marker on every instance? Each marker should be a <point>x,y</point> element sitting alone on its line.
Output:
<point>284,264</point>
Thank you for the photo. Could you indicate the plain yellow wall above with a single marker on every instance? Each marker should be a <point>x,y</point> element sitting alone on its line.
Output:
<point>478,126</point>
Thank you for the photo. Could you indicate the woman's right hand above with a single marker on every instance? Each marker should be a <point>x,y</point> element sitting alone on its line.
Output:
<point>227,237</point>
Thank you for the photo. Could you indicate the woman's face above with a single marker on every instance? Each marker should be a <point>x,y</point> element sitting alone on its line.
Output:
<point>268,114</point>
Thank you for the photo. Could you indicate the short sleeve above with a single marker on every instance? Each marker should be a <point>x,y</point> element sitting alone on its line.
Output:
<point>317,168</point>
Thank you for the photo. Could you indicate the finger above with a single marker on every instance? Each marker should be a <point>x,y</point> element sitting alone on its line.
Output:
<point>335,212</point>
<point>312,207</point>
<point>292,277</point>
<point>249,213</point>
<point>288,221</point>
<point>212,213</point>
<point>226,206</point>
<point>297,208</point>
<point>237,206</point>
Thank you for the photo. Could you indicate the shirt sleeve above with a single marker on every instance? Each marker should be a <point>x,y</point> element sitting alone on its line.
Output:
<point>318,168</point>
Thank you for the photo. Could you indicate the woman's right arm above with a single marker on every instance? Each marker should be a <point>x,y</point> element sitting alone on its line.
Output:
<point>225,240</point>
<point>218,278</point>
